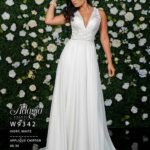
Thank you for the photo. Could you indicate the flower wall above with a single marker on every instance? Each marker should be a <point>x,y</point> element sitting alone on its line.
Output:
<point>30,51</point>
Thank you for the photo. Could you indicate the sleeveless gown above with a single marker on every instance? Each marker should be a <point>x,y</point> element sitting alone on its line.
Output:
<point>77,115</point>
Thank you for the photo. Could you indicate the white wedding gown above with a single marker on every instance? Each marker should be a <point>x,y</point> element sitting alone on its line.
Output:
<point>77,117</point>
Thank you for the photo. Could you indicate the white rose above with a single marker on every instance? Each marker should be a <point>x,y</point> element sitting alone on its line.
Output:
<point>120,23</point>
<point>33,34</point>
<point>106,75</point>
<point>32,87</point>
<point>36,65</point>
<point>127,123</point>
<point>58,29</point>
<point>21,93</point>
<point>143,88</point>
<point>47,119</point>
<point>41,105</point>
<point>134,109</point>
<point>9,37</point>
<point>136,66</point>
<point>130,35</point>
<point>48,28</point>
<point>143,1</point>
<point>119,75</point>
<point>23,7</point>
<point>47,79</point>
<point>143,26</point>
<point>144,116</point>
<point>128,59</point>
<point>131,46</point>
<point>34,44</point>
<point>25,16</point>
<point>45,40</point>
<point>50,57</point>
<point>9,2</point>
<point>114,34</point>
<point>5,16</point>
<point>137,6</point>
<point>108,102</point>
<point>142,60</point>
<point>9,105</point>
<point>3,91</point>
<point>51,47</point>
<point>25,52</point>
<point>116,43</point>
<point>116,59</point>
<point>55,35</point>
<point>34,12</point>
<point>109,5</point>
<point>144,12</point>
<point>129,16</point>
<point>16,64</point>
<point>142,73</point>
<point>122,13</point>
<point>40,30</point>
<point>32,23</point>
<point>19,81</point>
<point>125,86</point>
<point>142,41</point>
<point>121,52</point>
<point>118,97</point>
<point>22,33</point>
<point>103,87</point>
<point>4,27</point>
<point>114,10</point>
<point>109,122</point>
<point>123,6</point>
<point>34,97</point>
<point>12,73</point>
<point>66,40</point>
<point>25,62</point>
<point>129,1</point>
<point>144,98</point>
<point>9,60</point>
<point>50,97</point>
<point>135,27</point>
<point>39,2</point>
<point>139,35</point>
<point>141,18</point>
<point>110,23</point>
<point>148,51</point>
<point>13,27</point>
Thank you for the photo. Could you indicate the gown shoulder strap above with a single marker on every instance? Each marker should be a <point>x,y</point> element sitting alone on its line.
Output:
<point>101,8</point>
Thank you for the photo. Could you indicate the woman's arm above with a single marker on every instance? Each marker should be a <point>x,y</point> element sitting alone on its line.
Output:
<point>54,20</point>
<point>104,38</point>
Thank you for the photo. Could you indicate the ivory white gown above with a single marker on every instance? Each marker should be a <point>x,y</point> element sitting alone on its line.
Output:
<point>77,117</point>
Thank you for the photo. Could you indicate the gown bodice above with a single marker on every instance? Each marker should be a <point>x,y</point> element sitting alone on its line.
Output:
<point>88,32</point>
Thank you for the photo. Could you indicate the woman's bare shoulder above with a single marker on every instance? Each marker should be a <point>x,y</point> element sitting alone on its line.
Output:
<point>102,12</point>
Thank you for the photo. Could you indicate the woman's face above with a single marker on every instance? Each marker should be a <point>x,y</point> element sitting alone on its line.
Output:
<point>77,3</point>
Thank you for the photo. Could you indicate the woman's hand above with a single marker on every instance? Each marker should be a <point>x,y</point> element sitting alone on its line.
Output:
<point>111,69</point>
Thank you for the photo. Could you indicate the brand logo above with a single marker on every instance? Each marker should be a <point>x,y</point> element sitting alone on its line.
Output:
<point>23,109</point>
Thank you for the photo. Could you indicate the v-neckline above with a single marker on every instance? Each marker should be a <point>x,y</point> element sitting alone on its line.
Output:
<point>88,19</point>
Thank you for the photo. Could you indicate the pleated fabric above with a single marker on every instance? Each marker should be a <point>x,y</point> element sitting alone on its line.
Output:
<point>77,114</point>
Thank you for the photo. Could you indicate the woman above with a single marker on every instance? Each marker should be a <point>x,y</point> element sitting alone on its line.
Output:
<point>77,117</point>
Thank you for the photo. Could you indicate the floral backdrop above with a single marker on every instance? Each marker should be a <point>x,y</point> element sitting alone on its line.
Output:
<point>30,51</point>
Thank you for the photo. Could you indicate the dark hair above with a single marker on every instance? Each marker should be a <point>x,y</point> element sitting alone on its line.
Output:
<point>69,10</point>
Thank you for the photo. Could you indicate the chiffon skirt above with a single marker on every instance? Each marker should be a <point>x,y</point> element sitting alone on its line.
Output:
<point>77,115</point>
